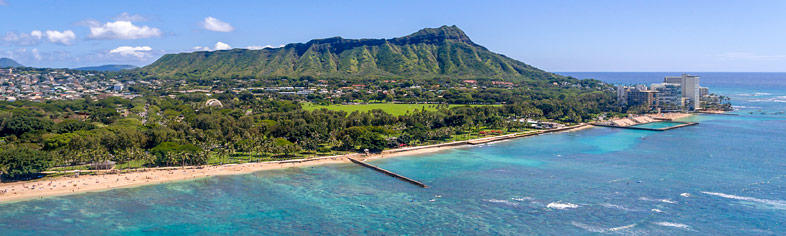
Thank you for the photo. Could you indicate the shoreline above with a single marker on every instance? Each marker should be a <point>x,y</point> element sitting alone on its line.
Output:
<point>69,185</point>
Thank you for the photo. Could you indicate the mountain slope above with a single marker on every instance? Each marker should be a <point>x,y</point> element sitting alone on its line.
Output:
<point>107,68</point>
<point>8,62</point>
<point>430,52</point>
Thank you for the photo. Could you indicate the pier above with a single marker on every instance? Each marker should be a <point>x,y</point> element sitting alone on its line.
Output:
<point>387,172</point>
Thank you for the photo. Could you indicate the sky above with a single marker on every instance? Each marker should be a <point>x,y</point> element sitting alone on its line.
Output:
<point>555,35</point>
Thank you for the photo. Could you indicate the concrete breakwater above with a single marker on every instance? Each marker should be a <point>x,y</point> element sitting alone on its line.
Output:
<point>387,172</point>
<point>681,124</point>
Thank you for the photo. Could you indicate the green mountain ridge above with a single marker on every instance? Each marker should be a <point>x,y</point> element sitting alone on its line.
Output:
<point>432,52</point>
<point>8,62</point>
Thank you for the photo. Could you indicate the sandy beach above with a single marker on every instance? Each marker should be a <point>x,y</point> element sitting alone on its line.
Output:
<point>25,190</point>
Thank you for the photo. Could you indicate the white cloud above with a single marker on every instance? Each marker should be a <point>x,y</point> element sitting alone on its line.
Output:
<point>23,39</point>
<point>140,52</point>
<point>200,48</point>
<point>121,30</point>
<point>217,46</point>
<point>36,34</point>
<point>64,38</point>
<point>65,59</point>
<point>34,57</point>
<point>217,25</point>
<point>35,37</point>
<point>125,16</point>
<point>222,46</point>
<point>256,47</point>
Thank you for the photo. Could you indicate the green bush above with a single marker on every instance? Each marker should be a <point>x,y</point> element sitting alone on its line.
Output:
<point>19,162</point>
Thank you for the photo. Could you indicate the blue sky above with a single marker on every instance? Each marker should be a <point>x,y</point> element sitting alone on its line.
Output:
<point>593,35</point>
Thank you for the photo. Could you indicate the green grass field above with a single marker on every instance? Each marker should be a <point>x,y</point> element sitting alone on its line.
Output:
<point>392,108</point>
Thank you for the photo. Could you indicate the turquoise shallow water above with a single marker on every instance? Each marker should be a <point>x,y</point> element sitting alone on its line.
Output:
<point>658,125</point>
<point>725,176</point>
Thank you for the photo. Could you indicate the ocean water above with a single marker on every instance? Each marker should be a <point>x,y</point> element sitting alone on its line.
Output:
<point>756,93</point>
<point>725,176</point>
<point>658,125</point>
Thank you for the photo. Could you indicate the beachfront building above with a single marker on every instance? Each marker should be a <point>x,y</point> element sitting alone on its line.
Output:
<point>690,89</point>
<point>676,93</point>
<point>704,92</point>
<point>670,97</point>
<point>638,97</point>
<point>622,95</point>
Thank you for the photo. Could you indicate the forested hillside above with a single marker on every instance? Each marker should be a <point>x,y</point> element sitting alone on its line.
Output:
<point>428,53</point>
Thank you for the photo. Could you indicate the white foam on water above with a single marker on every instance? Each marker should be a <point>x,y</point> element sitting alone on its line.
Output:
<point>656,210</point>
<point>685,194</point>
<point>621,227</point>
<point>779,204</point>
<point>521,199</point>
<point>586,227</point>
<point>773,99</point>
<point>561,206</point>
<point>506,202</point>
<point>736,107</point>
<point>658,200</point>
<point>614,206</point>
<point>753,95</point>
<point>596,229</point>
<point>668,201</point>
<point>672,224</point>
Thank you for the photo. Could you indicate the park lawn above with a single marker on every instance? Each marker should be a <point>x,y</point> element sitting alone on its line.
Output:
<point>395,109</point>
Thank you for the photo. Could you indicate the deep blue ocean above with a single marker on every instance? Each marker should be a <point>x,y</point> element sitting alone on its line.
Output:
<point>725,176</point>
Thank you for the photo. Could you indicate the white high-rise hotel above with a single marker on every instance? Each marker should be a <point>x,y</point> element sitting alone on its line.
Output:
<point>674,94</point>
<point>690,88</point>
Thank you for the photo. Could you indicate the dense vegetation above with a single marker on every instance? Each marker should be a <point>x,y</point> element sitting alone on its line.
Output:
<point>164,131</point>
<point>268,98</point>
<point>441,52</point>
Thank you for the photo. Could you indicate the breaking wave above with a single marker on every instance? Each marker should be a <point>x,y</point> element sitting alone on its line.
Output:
<point>521,199</point>
<point>773,99</point>
<point>618,207</point>
<point>779,204</point>
<point>596,229</point>
<point>658,200</point>
<point>671,224</point>
<point>506,202</point>
<point>753,95</point>
<point>561,206</point>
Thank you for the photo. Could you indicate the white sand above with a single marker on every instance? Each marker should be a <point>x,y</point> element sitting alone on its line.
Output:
<point>66,185</point>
